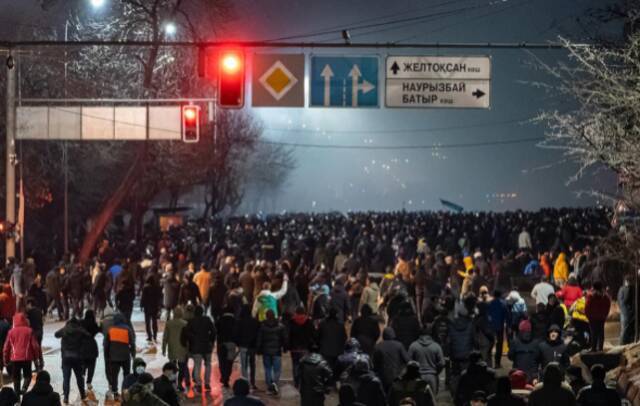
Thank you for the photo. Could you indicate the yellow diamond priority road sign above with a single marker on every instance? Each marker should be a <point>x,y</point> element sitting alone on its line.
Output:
<point>278,80</point>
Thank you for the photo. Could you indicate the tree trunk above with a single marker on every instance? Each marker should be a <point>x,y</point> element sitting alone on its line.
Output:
<point>111,206</point>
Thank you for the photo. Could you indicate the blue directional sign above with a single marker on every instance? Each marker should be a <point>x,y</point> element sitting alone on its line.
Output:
<point>341,81</point>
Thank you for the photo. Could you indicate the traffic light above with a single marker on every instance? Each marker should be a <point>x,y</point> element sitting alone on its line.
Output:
<point>231,79</point>
<point>190,124</point>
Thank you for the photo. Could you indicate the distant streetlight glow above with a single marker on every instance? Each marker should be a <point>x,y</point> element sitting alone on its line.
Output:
<point>170,29</point>
<point>97,3</point>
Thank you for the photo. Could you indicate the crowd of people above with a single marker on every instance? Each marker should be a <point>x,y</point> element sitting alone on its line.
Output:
<point>385,308</point>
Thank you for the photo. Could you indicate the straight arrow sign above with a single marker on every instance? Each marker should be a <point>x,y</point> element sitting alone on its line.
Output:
<point>355,76</point>
<point>327,74</point>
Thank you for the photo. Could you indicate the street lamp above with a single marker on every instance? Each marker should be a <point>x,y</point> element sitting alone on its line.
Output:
<point>170,29</point>
<point>97,3</point>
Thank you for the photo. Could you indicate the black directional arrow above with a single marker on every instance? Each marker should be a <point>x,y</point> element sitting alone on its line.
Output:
<point>395,68</point>
<point>478,93</point>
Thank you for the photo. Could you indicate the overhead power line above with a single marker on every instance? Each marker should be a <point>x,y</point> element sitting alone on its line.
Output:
<point>402,147</point>
<point>8,45</point>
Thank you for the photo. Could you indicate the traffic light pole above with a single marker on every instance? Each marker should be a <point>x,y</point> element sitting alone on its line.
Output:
<point>10,156</point>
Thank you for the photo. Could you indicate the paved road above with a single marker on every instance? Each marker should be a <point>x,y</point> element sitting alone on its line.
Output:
<point>154,359</point>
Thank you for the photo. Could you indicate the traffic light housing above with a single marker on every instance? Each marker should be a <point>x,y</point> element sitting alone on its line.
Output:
<point>190,124</point>
<point>231,79</point>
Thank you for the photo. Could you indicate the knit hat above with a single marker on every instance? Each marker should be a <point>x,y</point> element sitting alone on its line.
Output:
<point>524,326</point>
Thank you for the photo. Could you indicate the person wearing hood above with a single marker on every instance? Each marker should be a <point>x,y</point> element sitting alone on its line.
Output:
<point>597,310</point>
<point>411,385</point>
<point>141,393</point>
<point>246,335</point>
<point>430,358</point>
<point>561,270</point>
<point>524,351</point>
<point>72,336</point>
<point>503,395</point>
<point>598,394</point>
<point>461,336</point>
<point>21,348</point>
<point>300,330</point>
<point>406,325</point>
<point>314,376</point>
<point>552,391</point>
<point>331,337</point>
<point>556,311</point>
<point>517,310</point>
<point>366,329</point>
<point>119,348</point>
<point>268,300</point>
<point>42,393</point>
<point>271,342</point>
<point>139,367</point>
<point>370,295</point>
<point>367,385</point>
<point>477,377</point>
<point>553,349</point>
<point>485,336</point>
<point>188,292</point>
<point>389,358</point>
<point>200,336</point>
<point>346,360</point>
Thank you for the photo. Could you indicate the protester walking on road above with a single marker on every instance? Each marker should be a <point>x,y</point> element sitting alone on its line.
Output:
<point>389,358</point>
<point>21,348</point>
<point>200,337</point>
<point>271,343</point>
<point>151,303</point>
<point>90,346</point>
<point>119,349</point>
<point>314,378</point>
<point>246,335</point>
<point>72,337</point>
<point>175,350</point>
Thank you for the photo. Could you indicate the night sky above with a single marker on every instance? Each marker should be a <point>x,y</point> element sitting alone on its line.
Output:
<point>493,177</point>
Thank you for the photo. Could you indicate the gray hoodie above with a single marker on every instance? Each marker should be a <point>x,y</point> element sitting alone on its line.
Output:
<point>428,354</point>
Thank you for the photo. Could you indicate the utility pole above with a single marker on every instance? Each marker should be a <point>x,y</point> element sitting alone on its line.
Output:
<point>65,154</point>
<point>10,245</point>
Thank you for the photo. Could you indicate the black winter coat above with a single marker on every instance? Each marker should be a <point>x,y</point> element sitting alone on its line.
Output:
<point>163,388</point>
<point>246,332</point>
<point>300,333</point>
<point>151,299</point>
<point>314,373</point>
<point>389,360</point>
<point>73,337</point>
<point>366,329</point>
<point>331,338</point>
<point>41,394</point>
<point>461,334</point>
<point>524,353</point>
<point>272,338</point>
<point>406,327</point>
<point>199,335</point>
<point>369,390</point>
<point>340,301</point>
<point>478,377</point>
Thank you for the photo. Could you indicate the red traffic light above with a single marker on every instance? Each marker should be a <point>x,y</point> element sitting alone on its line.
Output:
<point>190,124</point>
<point>231,79</point>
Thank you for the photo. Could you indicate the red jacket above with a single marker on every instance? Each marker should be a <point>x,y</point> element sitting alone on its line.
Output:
<point>597,308</point>
<point>569,294</point>
<point>21,343</point>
